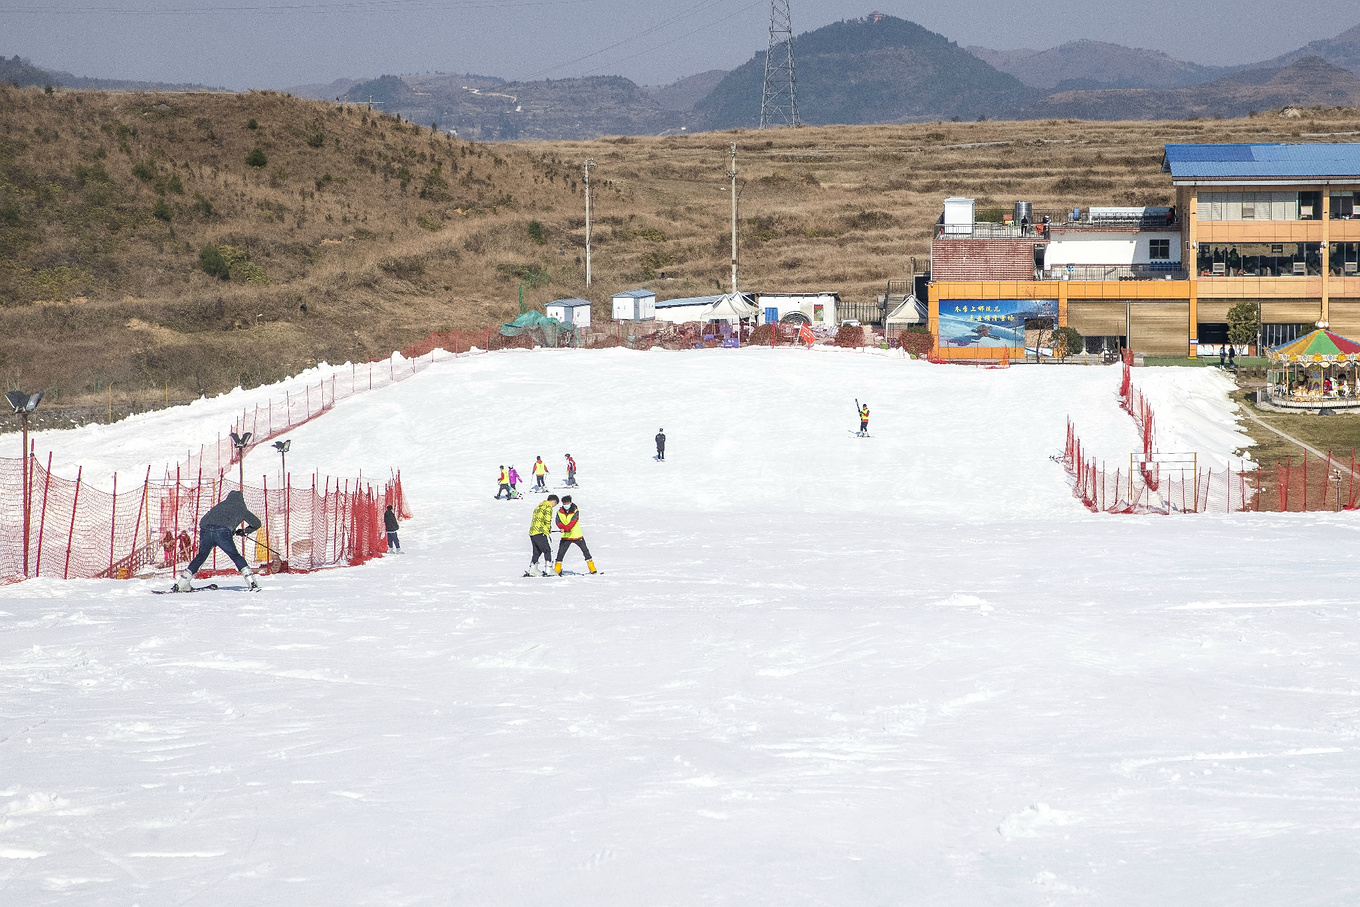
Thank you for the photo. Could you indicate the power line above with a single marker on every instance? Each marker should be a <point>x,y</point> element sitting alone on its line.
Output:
<point>340,6</point>
<point>698,7</point>
<point>690,34</point>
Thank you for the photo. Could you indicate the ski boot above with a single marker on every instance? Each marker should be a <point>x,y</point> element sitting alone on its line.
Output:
<point>185,583</point>
<point>591,566</point>
<point>557,568</point>
<point>252,583</point>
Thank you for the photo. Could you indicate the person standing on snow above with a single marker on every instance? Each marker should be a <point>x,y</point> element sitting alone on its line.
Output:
<point>505,485</point>
<point>215,530</point>
<point>514,481</point>
<point>571,471</point>
<point>540,470</point>
<point>569,524</point>
<point>864,419</point>
<point>661,443</point>
<point>539,527</point>
<point>390,524</point>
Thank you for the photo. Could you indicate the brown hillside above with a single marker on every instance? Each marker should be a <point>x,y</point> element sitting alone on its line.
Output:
<point>385,231</point>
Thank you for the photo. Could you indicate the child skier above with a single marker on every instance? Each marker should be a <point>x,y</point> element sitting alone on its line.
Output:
<point>569,524</point>
<point>514,481</point>
<point>505,485</point>
<point>539,527</point>
<point>540,470</point>
<point>571,472</point>
<point>215,530</point>
<point>863,419</point>
<point>390,524</point>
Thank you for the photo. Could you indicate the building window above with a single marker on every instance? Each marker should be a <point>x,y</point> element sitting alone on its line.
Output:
<point>1260,259</point>
<point>1216,206</point>
<point>1159,249</point>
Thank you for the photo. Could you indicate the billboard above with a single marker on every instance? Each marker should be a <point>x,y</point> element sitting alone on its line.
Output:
<point>990,322</point>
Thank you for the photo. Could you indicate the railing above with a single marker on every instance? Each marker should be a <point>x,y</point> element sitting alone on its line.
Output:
<point>1171,270</point>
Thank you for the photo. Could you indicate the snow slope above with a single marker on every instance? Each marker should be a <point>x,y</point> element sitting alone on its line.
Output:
<point>817,669</point>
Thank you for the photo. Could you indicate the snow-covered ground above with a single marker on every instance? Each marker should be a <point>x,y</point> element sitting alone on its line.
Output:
<point>909,669</point>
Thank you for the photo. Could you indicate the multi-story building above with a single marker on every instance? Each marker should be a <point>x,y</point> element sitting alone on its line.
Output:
<point>1274,225</point>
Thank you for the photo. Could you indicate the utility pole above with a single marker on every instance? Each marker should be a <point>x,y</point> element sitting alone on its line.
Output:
<point>588,164</point>
<point>732,175</point>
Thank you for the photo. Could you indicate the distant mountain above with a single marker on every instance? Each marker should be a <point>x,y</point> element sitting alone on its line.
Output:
<point>327,91</point>
<point>22,73</point>
<point>1097,64</point>
<point>683,94</point>
<point>1343,51</point>
<point>488,109</point>
<point>1307,82</point>
<point>875,70</point>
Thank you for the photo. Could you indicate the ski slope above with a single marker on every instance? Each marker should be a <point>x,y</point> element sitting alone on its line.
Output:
<point>817,669</point>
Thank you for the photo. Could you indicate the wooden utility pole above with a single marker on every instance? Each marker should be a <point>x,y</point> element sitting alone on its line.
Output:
<point>588,164</point>
<point>732,175</point>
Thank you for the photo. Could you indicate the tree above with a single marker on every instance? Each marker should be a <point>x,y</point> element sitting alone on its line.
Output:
<point>1066,342</point>
<point>1244,324</point>
<point>256,158</point>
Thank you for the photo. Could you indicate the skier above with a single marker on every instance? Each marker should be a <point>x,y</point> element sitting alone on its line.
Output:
<point>539,527</point>
<point>661,443</point>
<point>569,524</point>
<point>215,530</point>
<point>390,524</point>
<point>540,470</point>
<point>863,419</point>
<point>514,481</point>
<point>571,472</point>
<point>1232,357</point>
<point>505,485</point>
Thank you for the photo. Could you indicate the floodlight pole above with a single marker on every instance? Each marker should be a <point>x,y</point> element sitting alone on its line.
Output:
<point>586,166</point>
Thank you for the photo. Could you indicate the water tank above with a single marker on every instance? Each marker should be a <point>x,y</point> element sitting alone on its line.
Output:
<point>1024,211</point>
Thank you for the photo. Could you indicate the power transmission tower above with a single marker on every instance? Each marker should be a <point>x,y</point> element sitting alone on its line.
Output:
<point>779,97</point>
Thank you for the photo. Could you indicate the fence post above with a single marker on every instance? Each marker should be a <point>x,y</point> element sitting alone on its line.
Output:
<point>287,514</point>
<point>137,527</point>
<point>1305,482</point>
<point>65,571</point>
<point>113,522</point>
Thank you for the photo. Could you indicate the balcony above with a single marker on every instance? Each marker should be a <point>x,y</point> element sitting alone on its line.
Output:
<point>1158,270</point>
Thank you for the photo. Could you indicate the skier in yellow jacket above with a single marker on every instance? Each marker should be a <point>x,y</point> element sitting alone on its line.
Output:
<point>505,485</point>
<point>569,524</point>
<point>540,470</point>
<point>539,527</point>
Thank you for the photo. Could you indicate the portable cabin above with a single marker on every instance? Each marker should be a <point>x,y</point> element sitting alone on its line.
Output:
<point>634,305</point>
<point>574,311</point>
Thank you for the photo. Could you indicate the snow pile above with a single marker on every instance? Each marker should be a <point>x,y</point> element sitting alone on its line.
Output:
<point>818,669</point>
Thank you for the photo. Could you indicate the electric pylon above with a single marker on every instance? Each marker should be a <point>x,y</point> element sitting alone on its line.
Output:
<point>779,97</point>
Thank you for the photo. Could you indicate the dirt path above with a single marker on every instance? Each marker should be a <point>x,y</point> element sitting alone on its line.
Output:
<point>1247,409</point>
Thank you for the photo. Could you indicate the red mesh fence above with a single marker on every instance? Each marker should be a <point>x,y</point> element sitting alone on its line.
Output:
<point>76,530</point>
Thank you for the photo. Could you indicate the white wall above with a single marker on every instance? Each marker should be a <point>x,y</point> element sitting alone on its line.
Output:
<point>627,308</point>
<point>1095,248</point>
<point>678,314</point>
<point>578,316</point>
<point>799,303</point>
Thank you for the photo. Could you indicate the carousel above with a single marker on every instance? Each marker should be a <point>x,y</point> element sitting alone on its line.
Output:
<point>1318,371</point>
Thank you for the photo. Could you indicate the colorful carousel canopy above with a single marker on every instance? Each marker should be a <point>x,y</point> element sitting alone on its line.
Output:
<point>1318,346</point>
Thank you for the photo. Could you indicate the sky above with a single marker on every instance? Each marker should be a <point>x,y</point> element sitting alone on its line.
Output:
<point>241,44</point>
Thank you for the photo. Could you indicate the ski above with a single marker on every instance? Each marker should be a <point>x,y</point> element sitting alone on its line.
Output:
<point>174,591</point>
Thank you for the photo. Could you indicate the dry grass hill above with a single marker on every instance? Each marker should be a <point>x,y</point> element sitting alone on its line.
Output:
<point>139,246</point>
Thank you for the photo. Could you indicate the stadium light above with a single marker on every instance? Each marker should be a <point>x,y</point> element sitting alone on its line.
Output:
<point>23,405</point>
<point>241,442</point>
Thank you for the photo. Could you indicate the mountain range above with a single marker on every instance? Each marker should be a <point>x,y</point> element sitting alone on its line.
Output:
<point>878,69</point>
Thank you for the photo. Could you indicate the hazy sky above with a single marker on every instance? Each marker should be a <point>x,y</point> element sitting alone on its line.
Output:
<point>279,43</point>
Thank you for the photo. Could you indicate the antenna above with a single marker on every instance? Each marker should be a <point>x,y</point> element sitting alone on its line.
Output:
<point>779,97</point>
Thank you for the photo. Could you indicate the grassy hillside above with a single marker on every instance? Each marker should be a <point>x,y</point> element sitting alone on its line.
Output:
<point>359,234</point>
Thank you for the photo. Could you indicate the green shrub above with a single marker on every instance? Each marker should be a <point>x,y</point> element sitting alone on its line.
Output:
<point>161,211</point>
<point>214,263</point>
<point>203,204</point>
<point>256,158</point>
<point>316,139</point>
<point>145,171</point>
<point>252,124</point>
<point>536,232</point>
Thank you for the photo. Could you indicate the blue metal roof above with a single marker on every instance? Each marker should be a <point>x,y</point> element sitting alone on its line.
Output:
<point>634,294</point>
<point>691,300</point>
<point>572,303</point>
<point>1267,161</point>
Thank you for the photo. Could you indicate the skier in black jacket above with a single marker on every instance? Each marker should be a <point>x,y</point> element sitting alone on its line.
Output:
<point>661,444</point>
<point>215,530</point>
<point>390,524</point>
